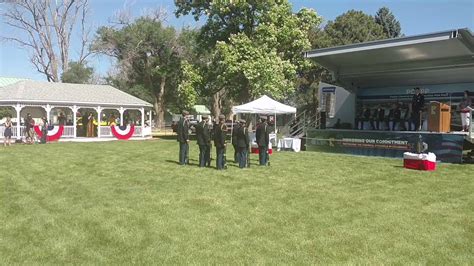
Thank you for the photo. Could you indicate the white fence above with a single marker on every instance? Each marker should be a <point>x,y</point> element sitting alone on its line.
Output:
<point>105,131</point>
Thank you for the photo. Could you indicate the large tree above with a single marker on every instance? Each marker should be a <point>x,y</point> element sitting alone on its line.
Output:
<point>44,28</point>
<point>77,73</point>
<point>353,27</point>
<point>149,57</point>
<point>257,43</point>
<point>390,25</point>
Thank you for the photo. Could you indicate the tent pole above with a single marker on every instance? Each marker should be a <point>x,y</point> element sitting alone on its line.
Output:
<point>231,128</point>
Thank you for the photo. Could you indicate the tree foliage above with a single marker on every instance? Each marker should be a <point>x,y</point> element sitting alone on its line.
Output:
<point>257,45</point>
<point>148,54</point>
<point>186,90</point>
<point>77,73</point>
<point>390,25</point>
<point>353,27</point>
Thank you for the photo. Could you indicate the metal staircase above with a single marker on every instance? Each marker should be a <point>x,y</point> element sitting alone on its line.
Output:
<point>301,122</point>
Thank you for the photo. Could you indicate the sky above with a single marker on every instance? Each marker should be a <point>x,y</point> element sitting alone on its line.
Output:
<point>415,16</point>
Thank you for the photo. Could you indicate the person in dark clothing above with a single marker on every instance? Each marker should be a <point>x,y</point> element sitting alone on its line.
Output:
<point>359,121</point>
<point>29,124</point>
<point>203,140</point>
<point>379,117</point>
<point>220,143</point>
<point>85,121</point>
<point>183,138</point>
<point>44,130</point>
<point>263,139</point>
<point>61,119</point>
<point>405,117</point>
<point>235,129</point>
<point>394,116</point>
<point>243,144</point>
<point>417,104</point>
<point>367,117</point>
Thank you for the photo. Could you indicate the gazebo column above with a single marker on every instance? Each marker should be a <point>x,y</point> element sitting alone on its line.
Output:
<point>121,111</point>
<point>99,109</point>
<point>18,108</point>
<point>74,119</point>
<point>48,108</point>
<point>150,114</point>
<point>143,121</point>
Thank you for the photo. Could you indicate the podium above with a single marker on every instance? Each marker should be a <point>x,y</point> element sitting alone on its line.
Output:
<point>439,117</point>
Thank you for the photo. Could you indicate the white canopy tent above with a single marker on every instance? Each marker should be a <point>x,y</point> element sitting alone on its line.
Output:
<point>265,106</point>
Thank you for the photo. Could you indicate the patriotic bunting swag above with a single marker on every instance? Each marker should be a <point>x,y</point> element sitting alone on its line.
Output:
<point>123,132</point>
<point>54,132</point>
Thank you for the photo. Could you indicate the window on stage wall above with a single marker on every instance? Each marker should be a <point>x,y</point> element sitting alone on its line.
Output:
<point>328,101</point>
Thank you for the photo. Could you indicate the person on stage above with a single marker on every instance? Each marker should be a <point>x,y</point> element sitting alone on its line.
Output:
<point>220,143</point>
<point>359,120</point>
<point>379,116</point>
<point>366,117</point>
<point>203,140</point>
<point>263,139</point>
<point>464,106</point>
<point>417,104</point>
<point>183,138</point>
<point>243,143</point>
<point>394,116</point>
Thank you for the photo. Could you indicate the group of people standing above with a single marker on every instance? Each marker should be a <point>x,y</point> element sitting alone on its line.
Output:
<point>217,132</point>
<point>400,117</point>
<point>403,117</point>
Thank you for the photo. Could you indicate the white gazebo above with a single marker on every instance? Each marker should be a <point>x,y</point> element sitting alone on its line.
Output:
<point>40,98</point>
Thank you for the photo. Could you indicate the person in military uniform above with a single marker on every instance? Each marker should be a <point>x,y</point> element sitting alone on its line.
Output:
<point>203,140</point>
<point>235,130</point>
<point>220,132</point>
<point>263,139</point>
<point>417,104</point>
<point>183,138</point>
<point>242,144</point>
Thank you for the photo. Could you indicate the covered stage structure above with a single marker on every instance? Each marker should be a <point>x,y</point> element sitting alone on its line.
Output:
<point>384,73</point>
<point>65,104</point>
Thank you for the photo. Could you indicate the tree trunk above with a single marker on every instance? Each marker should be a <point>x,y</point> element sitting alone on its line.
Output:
<point>159,105</point>
<point>216,104</point>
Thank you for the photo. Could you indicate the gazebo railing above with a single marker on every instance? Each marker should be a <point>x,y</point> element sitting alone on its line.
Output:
<point>105,131</point>
<point>68,132</point>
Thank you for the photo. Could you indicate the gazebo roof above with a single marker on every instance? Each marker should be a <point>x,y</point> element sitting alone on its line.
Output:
<point>5,81</point>
<point>31,91</point>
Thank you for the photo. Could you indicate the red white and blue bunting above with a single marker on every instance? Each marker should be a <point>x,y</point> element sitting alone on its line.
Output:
<point>123,132</point>
<point>54,132</point>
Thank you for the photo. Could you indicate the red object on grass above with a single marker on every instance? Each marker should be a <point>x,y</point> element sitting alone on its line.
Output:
<point>423,161</point>
<point>255,150</point>
<point>419,164</point>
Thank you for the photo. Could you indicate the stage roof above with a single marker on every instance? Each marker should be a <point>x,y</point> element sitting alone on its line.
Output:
<point>436,58</point>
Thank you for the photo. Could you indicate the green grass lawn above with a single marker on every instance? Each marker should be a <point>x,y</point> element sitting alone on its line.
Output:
<point>130,202</point>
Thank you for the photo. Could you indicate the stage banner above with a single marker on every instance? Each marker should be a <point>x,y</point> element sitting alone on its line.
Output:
<point>447,147</point>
